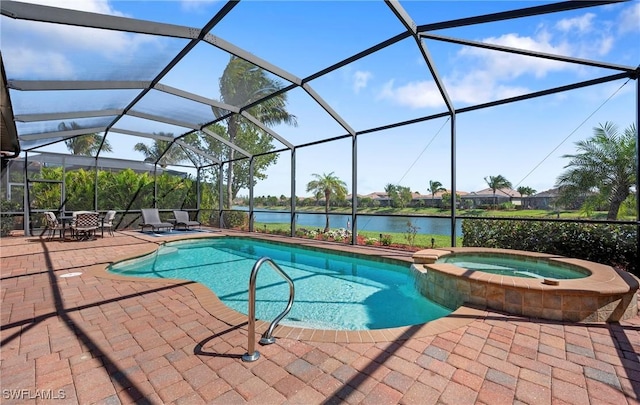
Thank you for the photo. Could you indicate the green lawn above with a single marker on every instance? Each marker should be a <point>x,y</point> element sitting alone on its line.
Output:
<point>421,240</point>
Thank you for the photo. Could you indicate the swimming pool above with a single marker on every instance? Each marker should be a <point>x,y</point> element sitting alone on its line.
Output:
<point>333,290</point>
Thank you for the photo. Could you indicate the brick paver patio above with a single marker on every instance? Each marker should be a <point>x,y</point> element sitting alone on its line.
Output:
<point>90,339</point>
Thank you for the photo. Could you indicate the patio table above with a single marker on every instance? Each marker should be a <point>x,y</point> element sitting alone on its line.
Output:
<point>66,221</point>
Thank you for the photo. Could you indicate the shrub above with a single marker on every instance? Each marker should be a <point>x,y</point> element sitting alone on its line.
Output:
<point>385,240</point>
<point>614,245</point>
<point>412,230</point>
<point>507,206</point>
<point>232,219</point>
<point>7,221</point>
<point>340,234</point>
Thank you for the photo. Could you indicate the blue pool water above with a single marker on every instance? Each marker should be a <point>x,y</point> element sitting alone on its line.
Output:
<point>332,291</point>
<point>509,265</point>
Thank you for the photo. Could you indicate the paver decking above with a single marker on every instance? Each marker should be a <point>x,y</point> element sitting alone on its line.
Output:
<point>90,339</point>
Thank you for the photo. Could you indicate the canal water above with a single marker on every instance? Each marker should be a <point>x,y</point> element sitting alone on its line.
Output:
<point>382,224</point>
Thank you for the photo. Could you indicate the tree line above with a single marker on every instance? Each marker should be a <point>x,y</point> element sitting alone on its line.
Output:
<point>603,168</point>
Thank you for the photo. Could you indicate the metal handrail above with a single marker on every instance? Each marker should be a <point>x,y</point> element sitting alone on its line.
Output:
<point>267,338</point>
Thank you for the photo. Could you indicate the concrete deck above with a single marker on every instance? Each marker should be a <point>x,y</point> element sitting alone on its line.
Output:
<point>90,338</point>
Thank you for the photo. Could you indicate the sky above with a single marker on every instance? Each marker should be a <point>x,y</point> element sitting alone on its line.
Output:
<point>524,141</point>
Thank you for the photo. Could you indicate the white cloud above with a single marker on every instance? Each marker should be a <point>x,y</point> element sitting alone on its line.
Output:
<point>415,95</point>
<point>581,24</point>
<point>93,6</point>
<point>630,18</point>
<point>360,80</point>
<point>483,75</point>
<point>605,45</point>
<point>510,66</point>
<point>72,38</point>
<point>49,64</point>
<point>64,43</point>
<point>480,86</point>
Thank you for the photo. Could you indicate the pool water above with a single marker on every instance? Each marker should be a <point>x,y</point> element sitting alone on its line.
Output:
<point>332,291</point>
<point>512,266</point>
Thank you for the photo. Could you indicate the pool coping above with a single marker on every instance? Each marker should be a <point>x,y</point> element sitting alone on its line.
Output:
<point>460,317</point>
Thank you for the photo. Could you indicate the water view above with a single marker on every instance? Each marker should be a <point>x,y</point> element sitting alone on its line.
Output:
<point>382,224</point>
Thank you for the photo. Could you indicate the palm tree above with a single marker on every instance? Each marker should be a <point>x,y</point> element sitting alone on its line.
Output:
<point>495,183</point>
<point>86,145</point>
<point>605,163</point>
<point>242,84</point>
<point>390,189</point>
<point>525,191</point>
<point>392,193</point>
<point>327,184</point>
<point>434,187</point>
<point>156,152</point>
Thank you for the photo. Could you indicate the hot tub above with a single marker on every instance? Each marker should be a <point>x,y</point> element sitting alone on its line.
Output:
<point>594,293</point>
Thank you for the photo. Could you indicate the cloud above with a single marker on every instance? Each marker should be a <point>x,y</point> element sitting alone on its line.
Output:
<point>629,19</point>
<point>420,94</point>
<point>93,6</point>
<point>483,75</point>
<point>66,43</point>
<point>47,64</point>
<point>472,87</point>
<point>480,87</point>
<point>605,45</point>
<point>360,80</point>
<point>580,24</point>
<point>587,35</point>
<point>68,38</point>
<point>511,66</point>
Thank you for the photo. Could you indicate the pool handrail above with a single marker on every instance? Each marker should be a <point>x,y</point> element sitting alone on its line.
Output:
<point>267,338</point>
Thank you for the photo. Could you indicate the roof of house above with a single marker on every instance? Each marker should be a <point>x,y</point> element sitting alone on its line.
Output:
<point>501,192</point>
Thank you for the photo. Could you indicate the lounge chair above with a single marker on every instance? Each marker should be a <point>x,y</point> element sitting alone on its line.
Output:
<point>151,218</point>
<point>182,219</point>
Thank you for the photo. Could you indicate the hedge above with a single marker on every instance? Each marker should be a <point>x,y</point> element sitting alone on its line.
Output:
<point>615,245</point>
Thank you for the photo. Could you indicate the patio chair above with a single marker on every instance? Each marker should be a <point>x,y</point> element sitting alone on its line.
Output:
<point>53,225</point>
<point>85,225</point>
<point>107,222</point>
<point>182,219</point>
<point>151,218</point>
<point>72,221</point>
